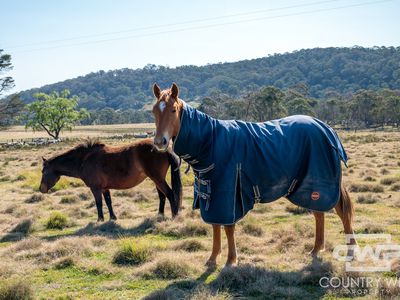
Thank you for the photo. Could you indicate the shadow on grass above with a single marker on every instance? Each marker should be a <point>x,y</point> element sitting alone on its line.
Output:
<point>108,229</point>
<point>247,281</point>
<point>20,231</point>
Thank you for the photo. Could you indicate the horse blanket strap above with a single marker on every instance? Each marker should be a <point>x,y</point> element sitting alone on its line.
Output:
<point>237,164</point>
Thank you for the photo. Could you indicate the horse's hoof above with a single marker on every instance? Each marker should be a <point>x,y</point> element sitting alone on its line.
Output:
<point>230,265</point>
<point>314,252</point>
<point>113,218</point>
<point>211,264</point>
<point>100,219</point>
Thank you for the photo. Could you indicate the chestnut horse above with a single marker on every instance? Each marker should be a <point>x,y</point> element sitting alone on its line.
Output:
<point>103,168</point>
<point>168,112</point>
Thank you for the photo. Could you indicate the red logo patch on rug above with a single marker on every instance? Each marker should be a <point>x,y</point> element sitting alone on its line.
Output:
<point>315,196</point>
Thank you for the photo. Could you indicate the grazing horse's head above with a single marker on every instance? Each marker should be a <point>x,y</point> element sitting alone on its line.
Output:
<point>167,115</point>
<point>49,176</point>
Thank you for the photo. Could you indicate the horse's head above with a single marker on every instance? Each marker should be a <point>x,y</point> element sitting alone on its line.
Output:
<point>49,176</point>
<point>166,111</point>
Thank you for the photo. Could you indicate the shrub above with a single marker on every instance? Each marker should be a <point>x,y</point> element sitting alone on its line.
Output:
<point>57,220</point>
<point>36,197</point>
<point>369,178</point>
<point>5,178</point>
<point>395,187</point>
<point>384,171</point>
<point>130,253</point>
<point>361,188</point>
<point>16,290</point>
<point>370,228</point>
<point>389,180</point>
<point>367,199</point>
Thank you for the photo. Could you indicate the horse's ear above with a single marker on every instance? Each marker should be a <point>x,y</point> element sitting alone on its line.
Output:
<point>43,159</point>
<point>156,90</point>
<point>174,91</point>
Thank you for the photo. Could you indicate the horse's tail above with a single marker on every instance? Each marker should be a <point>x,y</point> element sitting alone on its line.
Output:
<point>346,204</point>
<point>176,181</point>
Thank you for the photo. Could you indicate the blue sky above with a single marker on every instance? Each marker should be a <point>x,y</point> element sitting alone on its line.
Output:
<point>51,41</point>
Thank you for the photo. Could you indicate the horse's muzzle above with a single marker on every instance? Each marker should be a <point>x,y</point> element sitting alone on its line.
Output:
<point>161,143</point>
<point>43,188</point>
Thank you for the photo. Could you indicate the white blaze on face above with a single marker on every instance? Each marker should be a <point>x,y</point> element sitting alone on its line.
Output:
<point>162,105</point>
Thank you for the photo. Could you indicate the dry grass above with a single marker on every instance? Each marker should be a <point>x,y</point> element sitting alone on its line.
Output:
<point>362,188</point>
<point>76,260</point>
<point>16,290</point>
<point>368,199</point>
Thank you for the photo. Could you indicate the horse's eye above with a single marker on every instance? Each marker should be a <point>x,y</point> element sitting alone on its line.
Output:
<point>174,110</point>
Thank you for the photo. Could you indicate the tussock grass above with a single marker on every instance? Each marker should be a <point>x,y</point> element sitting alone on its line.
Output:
<point>368,199</point>
<point>131,253</point>
<point>169,268</point>
<point>5,178</point>
<point>16,290</point>
<point>362,188</point>
<point>369,178</point>
<point>27,244</point>
<point>57,220</point>
<point>63,263</point>
<point>190,245</point>
<point>134,195</point>
<point>35,198</point>
<point>395,187</point>
<point>250,226</point>
<point>297,210</point>
<point>69,200</point>
<point>389,180</point>
<point>175,228</point>
<point>384,171</point>
<point>247,281</point>
<point>84,196</point>
<point>370,227</point>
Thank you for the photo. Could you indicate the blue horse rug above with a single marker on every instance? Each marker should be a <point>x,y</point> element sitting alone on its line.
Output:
<point>238,164</point>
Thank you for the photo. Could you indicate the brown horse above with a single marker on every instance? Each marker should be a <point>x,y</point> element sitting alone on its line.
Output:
<point>103,168</point>
<point>168,112</point>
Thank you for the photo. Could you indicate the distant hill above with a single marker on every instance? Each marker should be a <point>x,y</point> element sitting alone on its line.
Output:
<point>323,70</point>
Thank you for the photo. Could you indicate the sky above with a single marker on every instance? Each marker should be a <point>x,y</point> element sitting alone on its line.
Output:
<point>51,41</point>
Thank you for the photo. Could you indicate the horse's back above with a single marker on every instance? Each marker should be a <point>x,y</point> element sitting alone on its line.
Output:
<point>297,157</point>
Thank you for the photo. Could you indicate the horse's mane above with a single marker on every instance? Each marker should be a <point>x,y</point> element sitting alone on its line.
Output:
<point>88,145</point>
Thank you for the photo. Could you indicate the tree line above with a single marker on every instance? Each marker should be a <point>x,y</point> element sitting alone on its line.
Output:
<point>322,70</point>
<point>362,109</point>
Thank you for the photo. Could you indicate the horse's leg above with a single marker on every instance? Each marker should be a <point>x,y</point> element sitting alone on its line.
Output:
<point>98,197</point>
<point>348,229</point>
<point>107,198</point>
<point>230,235</point>
<point>216,249</point>
<point>167,191</point>
<point>162,202</point>
<point>319,244</point>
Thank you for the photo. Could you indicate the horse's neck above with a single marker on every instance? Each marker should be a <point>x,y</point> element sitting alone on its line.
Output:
<point>195,132</point>
<point>68,165</point>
